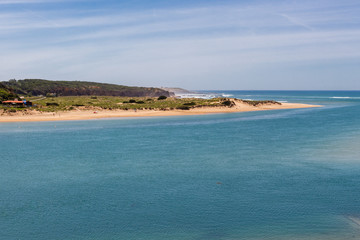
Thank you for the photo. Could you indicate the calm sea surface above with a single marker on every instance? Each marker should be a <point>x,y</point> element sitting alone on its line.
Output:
<point>283,174</point>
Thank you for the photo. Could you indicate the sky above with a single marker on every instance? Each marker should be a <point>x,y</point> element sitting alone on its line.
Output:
<point>199,45</point>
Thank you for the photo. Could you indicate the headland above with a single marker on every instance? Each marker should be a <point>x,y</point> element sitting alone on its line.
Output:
<point>44,100</point>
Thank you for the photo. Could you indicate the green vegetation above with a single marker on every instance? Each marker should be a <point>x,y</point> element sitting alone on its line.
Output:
<point>162,98</point>
<point>6,93</point>
<point>256,103</point>
<point>66,103</point>
<point>190,104</point>
<point>36,87</point>
<point>70,95</point>
<point>54,104</point>
<point>183,107</point>
<point>228,103</point>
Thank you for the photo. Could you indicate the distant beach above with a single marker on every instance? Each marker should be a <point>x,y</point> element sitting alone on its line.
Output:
<point>80,114</point>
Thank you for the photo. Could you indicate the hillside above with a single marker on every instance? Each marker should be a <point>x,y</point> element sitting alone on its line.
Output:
<point>6,93</point>
<point>37,87</point>
<point>177,91</point>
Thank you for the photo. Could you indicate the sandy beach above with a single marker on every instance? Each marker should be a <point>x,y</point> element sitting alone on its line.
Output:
<point>81,114</point>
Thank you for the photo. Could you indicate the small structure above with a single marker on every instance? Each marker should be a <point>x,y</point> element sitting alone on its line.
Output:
<point>15,103</point>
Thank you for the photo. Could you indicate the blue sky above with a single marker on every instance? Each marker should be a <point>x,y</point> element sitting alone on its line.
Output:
<point>213,44</point>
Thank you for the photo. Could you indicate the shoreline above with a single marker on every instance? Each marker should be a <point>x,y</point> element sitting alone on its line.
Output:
<point>36,116</point>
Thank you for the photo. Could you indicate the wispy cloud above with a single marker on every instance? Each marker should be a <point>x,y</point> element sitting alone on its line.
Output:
<point>12,2</point>
<point>297,22</point>
<point>165,46</point>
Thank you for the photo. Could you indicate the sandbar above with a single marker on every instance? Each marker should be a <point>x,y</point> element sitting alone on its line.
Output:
<point>83,114</point>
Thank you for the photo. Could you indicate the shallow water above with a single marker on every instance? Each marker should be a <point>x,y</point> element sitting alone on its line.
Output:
<point>282,174</point>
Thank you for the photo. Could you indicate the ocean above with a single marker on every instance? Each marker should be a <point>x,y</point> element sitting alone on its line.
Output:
<point>281,174</point>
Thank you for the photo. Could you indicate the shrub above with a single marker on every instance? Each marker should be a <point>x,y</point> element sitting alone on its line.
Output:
<point>52,104</point>
<point>183,108</point>
<point>132,101</point>
<point>140,102</point>
<point>228,103</point>
<point>51,95</point>
<point>162,97</point>
<point>93,97</point>
<point>256,103</point>
<point>190,104</point>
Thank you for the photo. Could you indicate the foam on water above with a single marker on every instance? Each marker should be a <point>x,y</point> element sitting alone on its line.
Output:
<point>197,95</point>
<point>345,97</point>
<point>227,95</point>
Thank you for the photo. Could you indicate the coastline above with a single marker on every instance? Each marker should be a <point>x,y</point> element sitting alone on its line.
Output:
<point>36,116</point>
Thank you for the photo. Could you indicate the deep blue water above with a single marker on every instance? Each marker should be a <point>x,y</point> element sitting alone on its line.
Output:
<point>282,174</point>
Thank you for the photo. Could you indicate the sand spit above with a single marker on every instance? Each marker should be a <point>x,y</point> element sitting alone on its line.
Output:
<point>77,114</point>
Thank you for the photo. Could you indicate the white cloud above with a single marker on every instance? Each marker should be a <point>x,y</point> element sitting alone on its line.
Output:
<point>155,47</point>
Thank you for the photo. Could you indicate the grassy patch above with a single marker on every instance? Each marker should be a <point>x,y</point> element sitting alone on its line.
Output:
<point>54,104</point>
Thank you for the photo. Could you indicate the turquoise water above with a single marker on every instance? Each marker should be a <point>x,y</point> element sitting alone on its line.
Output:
<point>283,174</point>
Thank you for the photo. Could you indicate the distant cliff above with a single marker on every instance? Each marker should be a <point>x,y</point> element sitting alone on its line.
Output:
<point>177,91</point>
<point>78,88</point>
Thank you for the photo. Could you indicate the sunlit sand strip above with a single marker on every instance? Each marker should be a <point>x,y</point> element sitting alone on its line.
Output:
<point>35,116</point>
